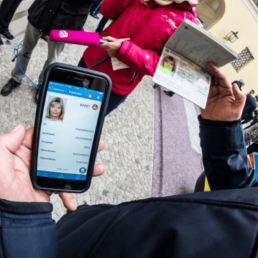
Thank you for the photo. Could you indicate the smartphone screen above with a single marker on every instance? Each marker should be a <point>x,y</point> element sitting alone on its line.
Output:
<point>69,120</point>
<point>68,126</point>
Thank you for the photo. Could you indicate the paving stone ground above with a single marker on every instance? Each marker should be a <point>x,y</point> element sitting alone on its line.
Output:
<point>128,131</point>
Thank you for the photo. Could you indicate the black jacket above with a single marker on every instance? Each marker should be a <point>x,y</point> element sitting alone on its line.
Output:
<point>47,15</point>
<point>217,224</point>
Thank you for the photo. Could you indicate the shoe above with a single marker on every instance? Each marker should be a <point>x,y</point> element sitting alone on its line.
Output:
<point>6,33</point>
<point>94,16</point>
<point>9,86</point>
<point>169,93</point>
<point>1,42</point>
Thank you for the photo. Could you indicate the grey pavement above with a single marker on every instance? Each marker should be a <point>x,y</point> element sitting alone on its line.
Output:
<point>177,153</point>
<point>128,131</point>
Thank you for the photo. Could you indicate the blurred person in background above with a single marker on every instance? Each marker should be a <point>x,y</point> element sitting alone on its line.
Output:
<point>251,93</point>
<point>43,17</point>
<point>7,10</point>
<point>95,9</point>
<point>250,107</point>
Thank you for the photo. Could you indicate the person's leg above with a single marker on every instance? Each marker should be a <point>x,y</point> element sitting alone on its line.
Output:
<point>30,40</point>
<point>82,64</point>
<point>96,11</point>
<point>101,25</point>
<point>4,7</point>
<point>7,10</point>
<point>54,51</point>
<point>95,7</point>
<point>114,101</point>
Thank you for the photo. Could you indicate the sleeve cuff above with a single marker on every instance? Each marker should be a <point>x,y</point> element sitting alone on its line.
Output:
<point>124,51</point>
<point>221,136</point>
<point>25,207</point>
<point>216,123</point>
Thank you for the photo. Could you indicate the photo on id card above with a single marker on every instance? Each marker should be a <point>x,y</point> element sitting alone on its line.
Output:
<point>183,77</point>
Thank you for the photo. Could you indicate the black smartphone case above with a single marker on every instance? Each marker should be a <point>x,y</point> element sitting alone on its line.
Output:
<point>38,119</point>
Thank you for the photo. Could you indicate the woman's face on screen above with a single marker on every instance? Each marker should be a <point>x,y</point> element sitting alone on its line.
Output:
<point>55,111</point>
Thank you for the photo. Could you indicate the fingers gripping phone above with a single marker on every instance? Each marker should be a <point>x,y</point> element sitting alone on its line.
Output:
<point>69,119</point>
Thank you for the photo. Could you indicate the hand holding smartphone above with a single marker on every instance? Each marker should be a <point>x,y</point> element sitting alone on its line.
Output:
<point>68,125</point>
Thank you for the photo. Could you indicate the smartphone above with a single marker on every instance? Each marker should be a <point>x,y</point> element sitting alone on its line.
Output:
<point>70,114</point>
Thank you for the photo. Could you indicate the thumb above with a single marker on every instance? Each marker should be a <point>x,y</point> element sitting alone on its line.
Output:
<point>239,95</point>
<point>68,201</point>
<point>13,140</point>
<point>110,39</point>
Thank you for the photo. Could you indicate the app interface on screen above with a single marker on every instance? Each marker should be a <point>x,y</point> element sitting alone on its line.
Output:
<point>67,131</point>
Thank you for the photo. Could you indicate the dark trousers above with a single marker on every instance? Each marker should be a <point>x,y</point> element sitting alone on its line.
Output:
<point>95,7</point>
<point>115,99</point>
<point>101,25</point>
<point>7,10</point>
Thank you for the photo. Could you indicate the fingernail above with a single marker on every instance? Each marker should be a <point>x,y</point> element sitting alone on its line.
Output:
<point>16,128</point>
<point>75,205</point>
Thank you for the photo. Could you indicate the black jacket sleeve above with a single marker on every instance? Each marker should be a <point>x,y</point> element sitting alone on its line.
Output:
<point>27,230</point>
<point>224,155</point>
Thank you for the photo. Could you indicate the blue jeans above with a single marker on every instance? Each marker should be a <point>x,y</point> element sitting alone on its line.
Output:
<point>115,99</point>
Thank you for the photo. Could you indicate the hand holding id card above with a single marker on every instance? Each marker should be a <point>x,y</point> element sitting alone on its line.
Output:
<point>182,66</point>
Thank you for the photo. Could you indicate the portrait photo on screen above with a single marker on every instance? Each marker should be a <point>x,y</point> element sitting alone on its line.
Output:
<point>55,109</point>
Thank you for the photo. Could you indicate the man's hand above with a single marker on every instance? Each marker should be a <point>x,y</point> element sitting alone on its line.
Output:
<point>15,159</point>
<point>225,102</point>
<point>112,46</point>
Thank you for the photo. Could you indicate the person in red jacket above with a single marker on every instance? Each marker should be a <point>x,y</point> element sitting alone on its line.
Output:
<point>136,39</point>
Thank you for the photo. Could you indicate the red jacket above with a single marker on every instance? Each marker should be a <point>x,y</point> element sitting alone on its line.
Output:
<point>149,26</point>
